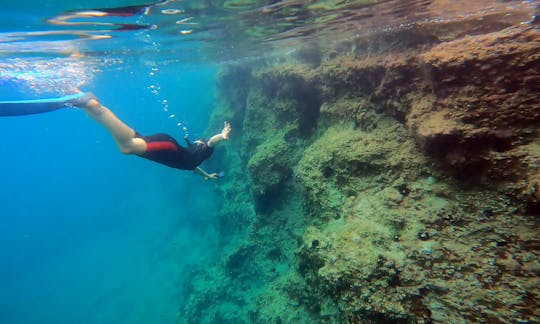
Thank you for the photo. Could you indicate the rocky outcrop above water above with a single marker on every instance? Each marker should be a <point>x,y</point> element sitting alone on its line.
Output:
<point>401,186</point>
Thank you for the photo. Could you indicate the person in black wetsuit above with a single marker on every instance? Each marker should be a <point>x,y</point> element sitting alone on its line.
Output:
<point>160,148</point>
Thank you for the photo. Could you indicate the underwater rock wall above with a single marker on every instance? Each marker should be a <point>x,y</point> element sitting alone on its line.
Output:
<point>399,185</point>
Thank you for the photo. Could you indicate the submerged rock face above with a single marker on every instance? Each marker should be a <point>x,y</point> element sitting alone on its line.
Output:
<point>485,104</point>
<point>401,186</point>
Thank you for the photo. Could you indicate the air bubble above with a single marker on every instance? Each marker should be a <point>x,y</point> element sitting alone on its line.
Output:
<point>184,21</point>
<point>172,116</point>
<point>171,11</point>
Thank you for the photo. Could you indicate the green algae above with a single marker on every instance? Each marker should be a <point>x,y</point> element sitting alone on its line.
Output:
<point>271,164</point>
<point>346,161</point>
<point>257,271</point>
<point>342,214</point>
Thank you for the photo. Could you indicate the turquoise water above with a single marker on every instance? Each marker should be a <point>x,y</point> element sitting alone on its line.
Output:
<point>90,235</point>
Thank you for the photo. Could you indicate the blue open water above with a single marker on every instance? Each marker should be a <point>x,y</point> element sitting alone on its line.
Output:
<point>89,235</point>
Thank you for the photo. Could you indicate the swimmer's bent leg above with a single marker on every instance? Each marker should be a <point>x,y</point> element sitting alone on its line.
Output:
<point>123,135</point>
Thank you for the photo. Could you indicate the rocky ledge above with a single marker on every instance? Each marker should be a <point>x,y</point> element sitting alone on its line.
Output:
<point>395,186</point>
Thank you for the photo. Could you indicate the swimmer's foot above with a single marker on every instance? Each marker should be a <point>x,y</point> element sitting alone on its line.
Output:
<point>81,101</point>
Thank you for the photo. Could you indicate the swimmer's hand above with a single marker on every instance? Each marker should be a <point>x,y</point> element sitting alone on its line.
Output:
<point>212,176</point>
<point>226,131</point>
<point>223,136</point>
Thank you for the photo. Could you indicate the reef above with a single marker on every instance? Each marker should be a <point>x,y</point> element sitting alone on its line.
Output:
<point>399,184</point>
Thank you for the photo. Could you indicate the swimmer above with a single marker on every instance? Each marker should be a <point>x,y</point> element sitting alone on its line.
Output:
<point>160,148</point>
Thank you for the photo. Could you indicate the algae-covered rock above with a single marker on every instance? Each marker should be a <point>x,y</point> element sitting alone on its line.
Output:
<point>345,161</point>
<point>394,186</point>
<point>270,167</point>
<point>405,258</point>
<point>484,102</point>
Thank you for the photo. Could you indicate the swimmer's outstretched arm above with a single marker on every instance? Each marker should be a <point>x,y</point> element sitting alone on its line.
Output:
<point>223,136</point>
<point>123,135</point>
<point>205,174</point>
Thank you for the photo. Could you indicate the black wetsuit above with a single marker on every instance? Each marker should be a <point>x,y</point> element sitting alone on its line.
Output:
<point>162,148</point>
